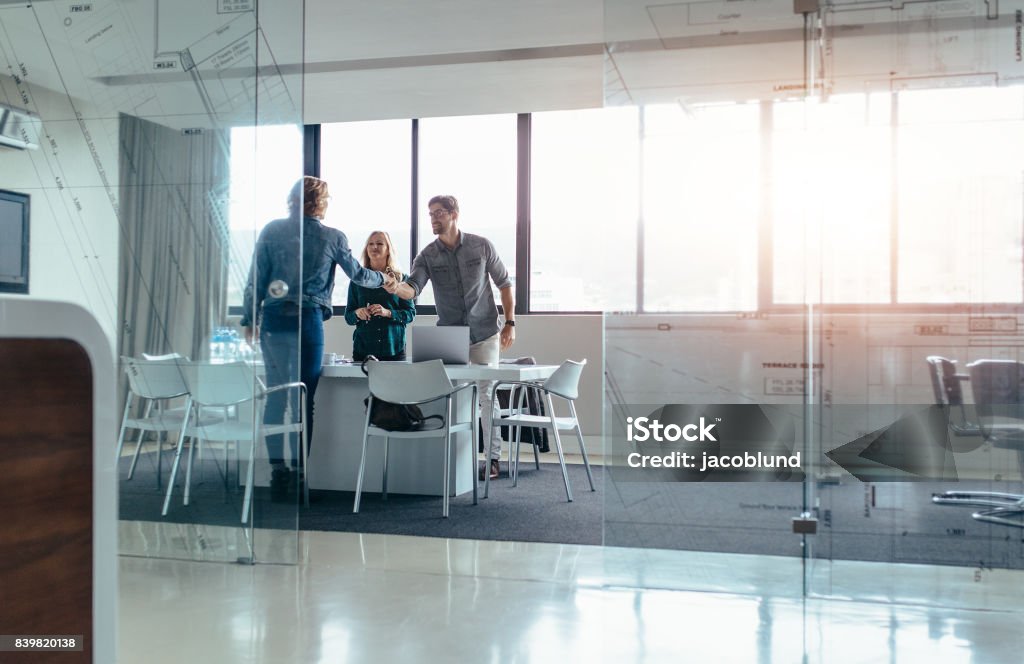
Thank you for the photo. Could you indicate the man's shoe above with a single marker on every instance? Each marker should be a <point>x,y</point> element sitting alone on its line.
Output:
<point>495,470</point>
<point>280,480</point>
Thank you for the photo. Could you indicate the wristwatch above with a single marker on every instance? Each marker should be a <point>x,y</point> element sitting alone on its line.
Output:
<point>510,323</point>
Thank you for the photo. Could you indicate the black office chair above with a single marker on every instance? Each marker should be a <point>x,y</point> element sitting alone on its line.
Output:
<point>949,393</point>
<point>997,389</point>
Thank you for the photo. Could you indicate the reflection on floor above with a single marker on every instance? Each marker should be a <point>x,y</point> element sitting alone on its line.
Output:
<point>388,598</point>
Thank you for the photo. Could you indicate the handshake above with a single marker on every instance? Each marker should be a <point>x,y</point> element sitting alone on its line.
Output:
<point>390,283</point>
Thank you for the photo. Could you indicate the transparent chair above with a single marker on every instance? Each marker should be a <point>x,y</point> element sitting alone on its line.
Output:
<point>564,383</point>
<point>416,384</point>
<point>233,391</point>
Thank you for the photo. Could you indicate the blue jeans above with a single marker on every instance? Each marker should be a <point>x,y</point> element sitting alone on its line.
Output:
<point>293,349</point>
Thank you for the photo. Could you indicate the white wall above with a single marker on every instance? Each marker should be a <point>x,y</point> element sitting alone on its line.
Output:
<point>865,358</point>
<point>72,181</point>
<point>865,363</point>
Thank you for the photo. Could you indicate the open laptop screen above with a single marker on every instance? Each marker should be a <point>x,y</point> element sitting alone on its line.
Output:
<point>448,343</point>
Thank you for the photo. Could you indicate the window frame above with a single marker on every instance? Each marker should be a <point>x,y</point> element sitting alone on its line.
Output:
<point>766,305</point>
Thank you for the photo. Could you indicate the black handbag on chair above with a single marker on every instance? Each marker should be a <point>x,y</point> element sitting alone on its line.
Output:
<point>395,416</point>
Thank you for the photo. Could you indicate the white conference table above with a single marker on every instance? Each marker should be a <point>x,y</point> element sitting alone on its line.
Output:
<point>414,466</point>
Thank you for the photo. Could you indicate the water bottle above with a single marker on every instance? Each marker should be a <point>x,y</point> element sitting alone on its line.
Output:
<point>245,352</point>
<point>232,340</point>
<point>218,343</point>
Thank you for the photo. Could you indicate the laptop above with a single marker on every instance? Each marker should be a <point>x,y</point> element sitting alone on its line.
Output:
<point>448,343</point>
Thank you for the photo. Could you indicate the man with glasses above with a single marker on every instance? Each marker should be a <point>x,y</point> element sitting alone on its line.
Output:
<point>459,265</point>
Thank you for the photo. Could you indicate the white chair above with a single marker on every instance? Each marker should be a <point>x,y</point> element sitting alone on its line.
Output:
<point>165,357</point>
<point>518,397</point>
<point>517,401</point>
<point>232,390</point>
<point>564,383</point>
<point>156,383</point>
<point>415,384</point>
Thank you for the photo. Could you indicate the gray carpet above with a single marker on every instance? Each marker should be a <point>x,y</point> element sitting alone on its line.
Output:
<point>886,522</point>
<point>535,511</point>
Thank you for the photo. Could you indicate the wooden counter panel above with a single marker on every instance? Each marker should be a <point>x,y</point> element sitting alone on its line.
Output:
<point>46,548</point>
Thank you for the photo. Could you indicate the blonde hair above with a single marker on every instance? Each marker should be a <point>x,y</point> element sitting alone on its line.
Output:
<point>392,264</point>
<point>313,194</point>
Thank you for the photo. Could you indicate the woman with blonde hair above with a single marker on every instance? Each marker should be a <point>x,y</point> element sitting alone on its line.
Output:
<point>379,317</point>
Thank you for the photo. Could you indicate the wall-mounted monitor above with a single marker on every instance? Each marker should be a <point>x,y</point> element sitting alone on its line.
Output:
<point>14,229</point>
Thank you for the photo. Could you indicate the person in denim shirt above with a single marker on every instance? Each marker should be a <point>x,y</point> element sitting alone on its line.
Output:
<point>378,316</point>
<point>288,297</point>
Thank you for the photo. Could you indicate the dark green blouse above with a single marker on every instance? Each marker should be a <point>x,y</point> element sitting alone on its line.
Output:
<point>378,336</point>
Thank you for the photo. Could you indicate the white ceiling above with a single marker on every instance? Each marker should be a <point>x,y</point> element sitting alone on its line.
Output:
<point>368,59</point>
<point>385,59</point>
<point>362,29</point>
<point>362,59</point>
<point>420,59</point>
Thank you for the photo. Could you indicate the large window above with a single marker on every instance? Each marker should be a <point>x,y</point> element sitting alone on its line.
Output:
<point>367,167</point>
<point>264,165</point>
<point>472,158</point>
<point>961,194</point>
<point>831,192</point>
<point>888,198</point>
<point>931,178</point>
<point>583,210</point>
<point>700,207</point>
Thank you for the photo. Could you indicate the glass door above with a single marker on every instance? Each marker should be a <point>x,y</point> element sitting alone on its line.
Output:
<point>814,256</point>
<point>161,96</point>
<point>918,213</point>
<point>705,390</point>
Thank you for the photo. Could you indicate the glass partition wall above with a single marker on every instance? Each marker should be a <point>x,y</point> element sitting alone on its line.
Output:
<point>846,231</point>
<point>917,484</point>
<point>158,128</point>
<point>239,97</point>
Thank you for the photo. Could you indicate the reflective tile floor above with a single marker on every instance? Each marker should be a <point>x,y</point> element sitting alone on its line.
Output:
<point>382,599</point>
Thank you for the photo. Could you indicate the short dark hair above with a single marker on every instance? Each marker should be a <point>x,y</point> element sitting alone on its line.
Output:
<point>446,201</point>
